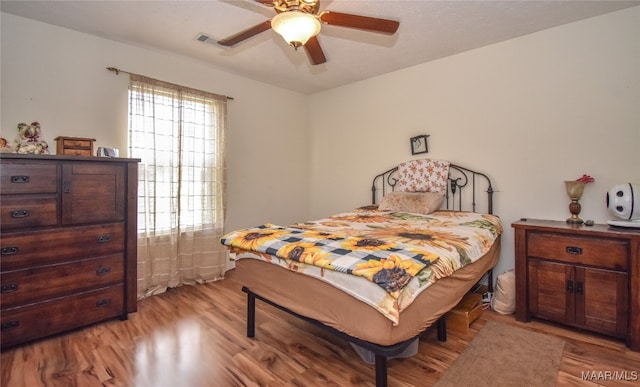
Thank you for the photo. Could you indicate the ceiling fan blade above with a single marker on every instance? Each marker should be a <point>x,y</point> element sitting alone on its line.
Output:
<point>246,34</point>
<point>268,3</point>
<point>315,51</point>
<point>366,23</point>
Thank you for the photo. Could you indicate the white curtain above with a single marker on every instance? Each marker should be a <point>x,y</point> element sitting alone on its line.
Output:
<point>178,133</point>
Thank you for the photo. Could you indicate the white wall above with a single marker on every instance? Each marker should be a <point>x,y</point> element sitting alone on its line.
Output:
<point>59,78</point>
<point>531,112</point>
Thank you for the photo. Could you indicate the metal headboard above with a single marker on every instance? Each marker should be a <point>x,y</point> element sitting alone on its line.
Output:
<point>457,182</point>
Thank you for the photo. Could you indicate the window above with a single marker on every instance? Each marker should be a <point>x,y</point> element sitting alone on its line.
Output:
<point>178,133</point>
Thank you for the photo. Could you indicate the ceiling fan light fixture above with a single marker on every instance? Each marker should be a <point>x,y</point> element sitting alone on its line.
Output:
<point>296,27</point>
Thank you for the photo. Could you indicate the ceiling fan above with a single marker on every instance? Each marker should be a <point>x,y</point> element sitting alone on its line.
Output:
<point>298,22</point>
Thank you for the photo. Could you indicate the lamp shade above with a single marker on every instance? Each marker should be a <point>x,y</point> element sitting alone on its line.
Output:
<point>295,27</point>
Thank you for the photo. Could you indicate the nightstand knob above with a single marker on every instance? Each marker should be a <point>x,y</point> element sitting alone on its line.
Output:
<point>103,302</point>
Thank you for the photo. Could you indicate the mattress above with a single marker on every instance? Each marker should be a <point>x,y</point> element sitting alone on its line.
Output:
<point>319,300</point>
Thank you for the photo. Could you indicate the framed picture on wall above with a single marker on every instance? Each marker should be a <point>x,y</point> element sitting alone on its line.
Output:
<point>419,144</point>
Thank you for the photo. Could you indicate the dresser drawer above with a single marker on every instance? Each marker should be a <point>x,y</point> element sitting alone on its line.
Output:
<point>47,318</point>
<point>21,250</point>
<point>601,252</point>
<point>28,211</point>
<point>28,178</point>
<point>40,283</point>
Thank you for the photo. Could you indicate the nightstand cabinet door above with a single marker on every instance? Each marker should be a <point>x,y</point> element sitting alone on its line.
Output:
<point>550,291</point>
<point>602,305</point>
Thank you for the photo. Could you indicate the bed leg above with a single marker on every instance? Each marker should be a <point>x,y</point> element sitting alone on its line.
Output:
<point>381,371</point>
<point>442,328</point>
<point>251,315</point>
<point>490,281</point>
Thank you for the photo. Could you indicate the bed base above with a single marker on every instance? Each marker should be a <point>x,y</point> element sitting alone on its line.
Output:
<point>459,179</point>
<point>381,352</point>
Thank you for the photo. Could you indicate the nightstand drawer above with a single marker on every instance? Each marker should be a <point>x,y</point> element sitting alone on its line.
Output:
<point>600,252</point>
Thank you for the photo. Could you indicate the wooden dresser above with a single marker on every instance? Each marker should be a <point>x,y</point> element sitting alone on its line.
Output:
<point>586,277</point>
<point>68,243</point>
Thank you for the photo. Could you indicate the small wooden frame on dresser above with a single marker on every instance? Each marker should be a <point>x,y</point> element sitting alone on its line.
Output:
<point>68,248</point>
<point>587,277</point>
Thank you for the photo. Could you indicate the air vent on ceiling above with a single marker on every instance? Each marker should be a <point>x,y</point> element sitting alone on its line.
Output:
<point>206,39</point>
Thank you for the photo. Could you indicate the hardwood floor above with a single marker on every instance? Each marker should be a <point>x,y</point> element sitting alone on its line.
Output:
<point>196,336</point>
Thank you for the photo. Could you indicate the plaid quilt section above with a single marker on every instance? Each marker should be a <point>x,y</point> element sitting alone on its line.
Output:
<point>390,265</point>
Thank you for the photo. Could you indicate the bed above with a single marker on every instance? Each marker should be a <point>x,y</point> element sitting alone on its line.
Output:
<point>398,308</point>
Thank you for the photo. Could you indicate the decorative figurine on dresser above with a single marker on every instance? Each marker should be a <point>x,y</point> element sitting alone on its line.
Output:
<point>68,243</point>
<point>585,276</point>
<point>28,141</point>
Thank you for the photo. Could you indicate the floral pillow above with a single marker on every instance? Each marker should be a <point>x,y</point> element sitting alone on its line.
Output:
<point>416,202</point>
<point>424,175</point>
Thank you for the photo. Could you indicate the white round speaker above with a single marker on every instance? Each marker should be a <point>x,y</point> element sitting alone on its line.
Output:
<point>623,201</point>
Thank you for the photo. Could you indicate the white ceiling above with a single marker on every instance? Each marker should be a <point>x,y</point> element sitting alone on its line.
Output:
<point>428,30</point>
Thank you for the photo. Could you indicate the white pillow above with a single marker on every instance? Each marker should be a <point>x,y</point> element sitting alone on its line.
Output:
<point>416,202</point>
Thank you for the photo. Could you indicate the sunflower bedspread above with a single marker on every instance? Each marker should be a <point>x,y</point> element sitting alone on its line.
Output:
<point>401,253</point>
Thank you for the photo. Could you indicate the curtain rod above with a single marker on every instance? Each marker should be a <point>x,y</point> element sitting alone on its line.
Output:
<point>118,71</point>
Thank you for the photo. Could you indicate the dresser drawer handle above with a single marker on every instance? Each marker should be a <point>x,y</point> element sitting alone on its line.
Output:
<point>9,250</point>
<point>103,302</point>
<point>9,325</point>
<point>19,179</point>
<point>103,270</point>
<point>19,213</point>
<point>574,250</point>
<point>8,288</point>
<point>104,238</point>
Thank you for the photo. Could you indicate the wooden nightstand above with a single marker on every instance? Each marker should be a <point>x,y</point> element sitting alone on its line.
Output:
<point>586,277</point>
